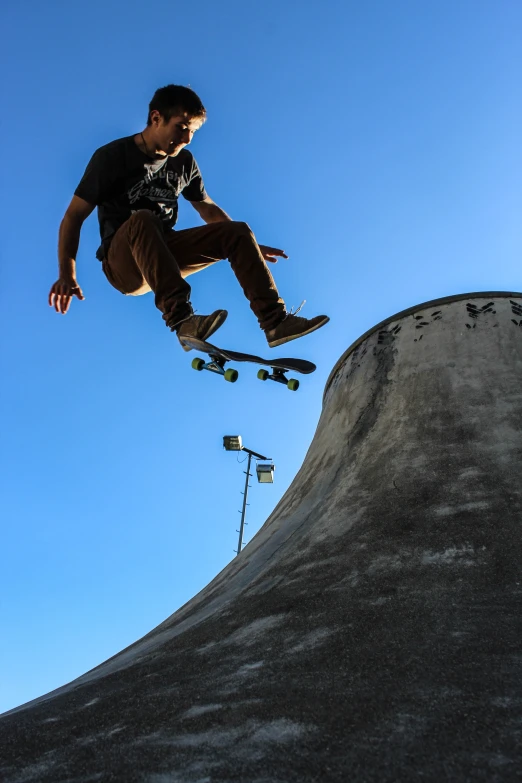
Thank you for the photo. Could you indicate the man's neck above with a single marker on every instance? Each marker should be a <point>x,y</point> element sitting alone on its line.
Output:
<point>148,145</point>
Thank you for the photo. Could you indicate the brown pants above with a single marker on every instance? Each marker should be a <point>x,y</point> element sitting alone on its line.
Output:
<point>143,257</point>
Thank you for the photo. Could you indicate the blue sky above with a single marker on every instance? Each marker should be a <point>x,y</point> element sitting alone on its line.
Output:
<point>378,143</point>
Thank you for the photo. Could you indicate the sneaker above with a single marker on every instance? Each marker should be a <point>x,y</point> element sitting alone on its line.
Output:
<point>292,327</point>
<point>200,326</point>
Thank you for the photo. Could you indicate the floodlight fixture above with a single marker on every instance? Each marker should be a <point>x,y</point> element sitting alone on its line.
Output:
<point>265,472</point>
<point>233,443</point>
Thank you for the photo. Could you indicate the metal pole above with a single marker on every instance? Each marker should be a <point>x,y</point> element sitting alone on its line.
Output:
<point>248,474</point>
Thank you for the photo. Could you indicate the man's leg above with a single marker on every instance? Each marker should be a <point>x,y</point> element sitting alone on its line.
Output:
<point>143,256</point>
<point>196,248</point>
<point>139,261</point>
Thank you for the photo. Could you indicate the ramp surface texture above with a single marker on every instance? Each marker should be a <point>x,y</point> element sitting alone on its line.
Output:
<point>372,629</point>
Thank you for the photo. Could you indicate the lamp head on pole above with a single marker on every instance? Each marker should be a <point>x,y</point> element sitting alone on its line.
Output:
<point>265,472</point>
<point>232,443</point>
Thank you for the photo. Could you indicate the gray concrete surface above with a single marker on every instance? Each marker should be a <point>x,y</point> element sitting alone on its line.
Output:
<point>372,630</point>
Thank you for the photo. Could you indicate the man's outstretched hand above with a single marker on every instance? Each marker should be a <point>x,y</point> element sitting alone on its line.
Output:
<point>62,292</point>
<point>272,253</point>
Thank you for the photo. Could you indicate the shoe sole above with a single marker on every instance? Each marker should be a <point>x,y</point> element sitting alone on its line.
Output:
<point>218,321</point>
<point>275,343</point>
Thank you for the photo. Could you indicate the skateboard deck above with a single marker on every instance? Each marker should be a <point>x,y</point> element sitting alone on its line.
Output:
<point>219,357</point>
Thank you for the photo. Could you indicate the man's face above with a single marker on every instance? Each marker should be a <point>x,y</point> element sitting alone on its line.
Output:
<point>174,134</point>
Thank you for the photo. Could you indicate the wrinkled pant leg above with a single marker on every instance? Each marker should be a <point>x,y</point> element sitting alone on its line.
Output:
<point>196,248</point>
<point>139,260</point>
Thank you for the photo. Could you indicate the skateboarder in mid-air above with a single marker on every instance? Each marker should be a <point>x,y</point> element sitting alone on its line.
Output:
<point>135,182</point>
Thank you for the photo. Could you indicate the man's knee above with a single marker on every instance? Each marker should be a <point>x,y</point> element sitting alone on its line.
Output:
<point>240,228</point>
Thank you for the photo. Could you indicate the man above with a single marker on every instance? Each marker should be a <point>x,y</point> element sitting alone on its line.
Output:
<point>135,182</point>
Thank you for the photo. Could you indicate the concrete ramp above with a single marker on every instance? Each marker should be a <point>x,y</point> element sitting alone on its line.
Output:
<point>372,629</point>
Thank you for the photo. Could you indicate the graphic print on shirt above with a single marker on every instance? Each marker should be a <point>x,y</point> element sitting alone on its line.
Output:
<point>159,185</point>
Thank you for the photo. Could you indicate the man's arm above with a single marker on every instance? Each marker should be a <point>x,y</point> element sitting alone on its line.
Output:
<point>67,286</point>
<point>211,213</point>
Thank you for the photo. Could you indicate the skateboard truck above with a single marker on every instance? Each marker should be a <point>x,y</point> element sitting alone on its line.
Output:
<point>217,365</point>
<point>280,377</point>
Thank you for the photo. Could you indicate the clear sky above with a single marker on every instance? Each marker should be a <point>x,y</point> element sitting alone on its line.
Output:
<point>377,142</point>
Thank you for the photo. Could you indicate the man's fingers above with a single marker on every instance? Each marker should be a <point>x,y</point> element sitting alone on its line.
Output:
<point>275,251</point>
<point>61,294</point>
<point>271,254</point>
<point>54,297</point>
<point>59,300</point>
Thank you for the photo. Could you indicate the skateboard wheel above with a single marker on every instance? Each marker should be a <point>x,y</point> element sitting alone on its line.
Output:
<point>263,375</point>
<point>231,375</point>
<point>198,364</point>
<point>293,384</point>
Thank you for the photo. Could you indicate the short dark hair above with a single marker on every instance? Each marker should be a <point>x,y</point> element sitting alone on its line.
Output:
<point>167,100</point>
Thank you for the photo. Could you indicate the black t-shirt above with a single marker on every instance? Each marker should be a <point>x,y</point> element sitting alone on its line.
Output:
<point>120,179</point>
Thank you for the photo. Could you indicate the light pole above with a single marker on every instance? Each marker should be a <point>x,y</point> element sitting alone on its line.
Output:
<point>265,475</point>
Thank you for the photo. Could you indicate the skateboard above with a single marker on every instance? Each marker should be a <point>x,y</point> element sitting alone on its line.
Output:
<point>218,357</point>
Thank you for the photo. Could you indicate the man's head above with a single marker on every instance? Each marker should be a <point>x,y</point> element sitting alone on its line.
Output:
<point>175,99</point>
<point>175,113</point>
